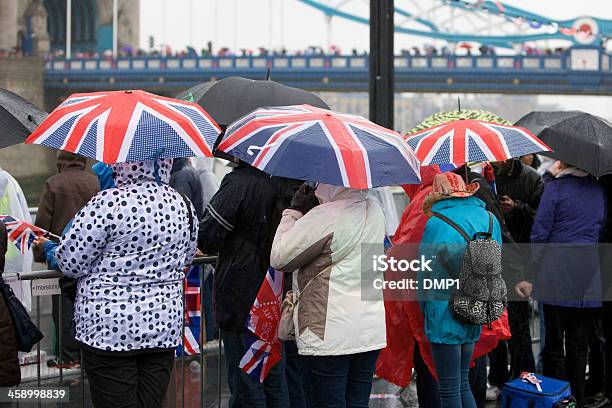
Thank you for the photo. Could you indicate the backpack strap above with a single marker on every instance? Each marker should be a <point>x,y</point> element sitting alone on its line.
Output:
<point>490,223</point>
<point>452,224</point>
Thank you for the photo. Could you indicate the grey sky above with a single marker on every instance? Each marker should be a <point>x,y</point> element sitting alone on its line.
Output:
<point>274,23</point>
<point>254,23</point>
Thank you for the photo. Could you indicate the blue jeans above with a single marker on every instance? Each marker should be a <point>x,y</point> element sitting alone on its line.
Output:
<point>452,365</point>
<point>295,376</point>
<point>246,391</point>
<point>339,381</point>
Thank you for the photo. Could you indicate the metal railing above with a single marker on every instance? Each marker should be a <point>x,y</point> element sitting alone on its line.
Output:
<point>548,62</point>
<point>202,340</point>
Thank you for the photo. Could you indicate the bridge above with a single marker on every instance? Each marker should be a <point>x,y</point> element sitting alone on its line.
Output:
<point>579,71</point>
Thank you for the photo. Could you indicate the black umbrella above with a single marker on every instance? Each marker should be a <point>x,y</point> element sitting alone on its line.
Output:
<point>18,118</point>
<point>577,138</point>
<point>231,98</point>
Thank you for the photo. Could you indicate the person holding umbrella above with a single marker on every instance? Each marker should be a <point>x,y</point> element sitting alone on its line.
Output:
<point>129,246</point>
<point>348,155</point>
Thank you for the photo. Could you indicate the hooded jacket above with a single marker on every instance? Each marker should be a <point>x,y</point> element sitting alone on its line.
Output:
<point>13,203</point>
<point>334,315</point>
<point>239,224</point>
<point>442,243</point>
<point>405,323</point>
<point>208,179</point>
<point>129,247</point>
<point>64,194</point>
<point>184,179</point>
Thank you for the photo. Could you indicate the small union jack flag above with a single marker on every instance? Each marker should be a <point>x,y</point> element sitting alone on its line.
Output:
<point>21,233</point>
<point>125,126</point>
<point>264,349</point>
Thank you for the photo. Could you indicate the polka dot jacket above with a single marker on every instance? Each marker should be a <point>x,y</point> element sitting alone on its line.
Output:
<point>129,246</point>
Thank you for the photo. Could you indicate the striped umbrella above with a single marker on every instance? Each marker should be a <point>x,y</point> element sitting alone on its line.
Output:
<point>314,144</point>
<point>125,126</point>
<point>467,140</point>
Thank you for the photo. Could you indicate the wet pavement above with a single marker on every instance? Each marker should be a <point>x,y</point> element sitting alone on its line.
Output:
<point>384,394</point>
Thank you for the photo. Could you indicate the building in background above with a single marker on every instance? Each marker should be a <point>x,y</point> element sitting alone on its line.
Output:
<point>34,27</point>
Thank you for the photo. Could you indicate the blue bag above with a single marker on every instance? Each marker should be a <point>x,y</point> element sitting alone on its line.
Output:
<point>521,394</point>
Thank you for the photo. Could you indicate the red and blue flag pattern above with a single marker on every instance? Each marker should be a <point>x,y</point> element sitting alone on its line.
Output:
<point>127,126</point>
<point>308,143</point>
<point>263,346</point>
<point>21,233</point>
<point>465,141</point>
<point>193,312</point>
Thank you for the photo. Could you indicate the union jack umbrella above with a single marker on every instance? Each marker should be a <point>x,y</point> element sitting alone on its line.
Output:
<point>464,141</point>
<point>125,126</point>
<point>22,233</point>
<point>307,143</point>
<point>263,346</point>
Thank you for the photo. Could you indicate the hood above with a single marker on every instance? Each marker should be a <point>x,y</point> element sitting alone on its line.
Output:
<point>457,202</point>
<point>68,160</point>
<point>427,176</point>
<point>124,173</point>
<point>105,175</point>
<point>179,164</point>
<point>203,164</point>
<point>327,193</point>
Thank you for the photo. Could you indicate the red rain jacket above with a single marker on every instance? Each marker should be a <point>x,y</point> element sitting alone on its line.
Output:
<point>404,318</point>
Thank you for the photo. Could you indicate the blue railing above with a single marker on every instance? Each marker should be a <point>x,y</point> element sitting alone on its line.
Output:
<point>585,71</point>
<point>486,62</point>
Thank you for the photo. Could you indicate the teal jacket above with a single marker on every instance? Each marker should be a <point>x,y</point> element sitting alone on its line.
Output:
<point>445,247</point>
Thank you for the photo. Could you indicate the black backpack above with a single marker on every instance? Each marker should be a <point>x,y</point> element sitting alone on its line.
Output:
<point>481,296</point>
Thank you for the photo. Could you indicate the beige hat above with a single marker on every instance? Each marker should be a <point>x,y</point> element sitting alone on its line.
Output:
<point>445,186</point>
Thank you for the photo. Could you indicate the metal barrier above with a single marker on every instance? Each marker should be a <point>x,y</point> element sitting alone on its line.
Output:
<point>202,340</point>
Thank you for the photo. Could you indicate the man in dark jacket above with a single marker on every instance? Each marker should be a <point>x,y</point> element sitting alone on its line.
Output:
<point>63,195</point>
<point>185,179</point>
<point>239,224</point>
<point>519,188</point>
<point>10,373</point>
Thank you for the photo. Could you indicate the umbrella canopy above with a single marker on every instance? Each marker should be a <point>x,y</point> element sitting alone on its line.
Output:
<point>465,140</point>
<point>230,98</point>
<point>125,126</point>
<point>18,118</point>
<point>308,143</point>
<point>577,138</point>
<point>439,118</point>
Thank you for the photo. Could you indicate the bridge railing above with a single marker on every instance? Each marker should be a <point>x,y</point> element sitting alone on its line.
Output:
<point>324,62</point>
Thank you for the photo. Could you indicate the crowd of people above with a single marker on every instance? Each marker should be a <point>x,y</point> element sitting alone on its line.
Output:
<point>129,230</point>
<point>427,50</point>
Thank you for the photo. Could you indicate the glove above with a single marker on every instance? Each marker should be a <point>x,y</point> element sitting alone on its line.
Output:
<point>304,199</point>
